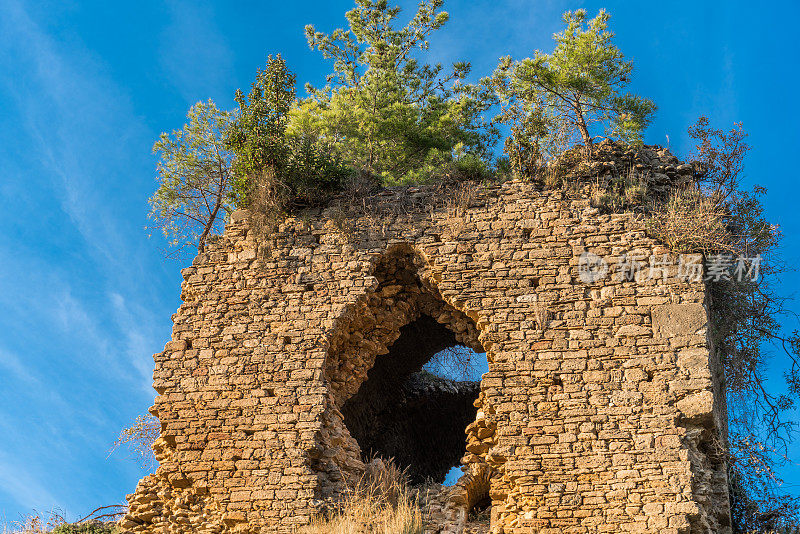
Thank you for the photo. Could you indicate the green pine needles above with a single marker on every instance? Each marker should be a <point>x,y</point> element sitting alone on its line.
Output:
<point>573,95</point>
<point>387,112</point>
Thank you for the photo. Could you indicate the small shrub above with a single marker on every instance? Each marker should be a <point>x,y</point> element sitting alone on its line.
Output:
<point>690,221</point>
<point>274,172</point>
<point>308,178</point>
<point>470,167</point>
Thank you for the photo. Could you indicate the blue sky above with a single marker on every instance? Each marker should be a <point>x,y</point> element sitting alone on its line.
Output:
<point>85,89</point>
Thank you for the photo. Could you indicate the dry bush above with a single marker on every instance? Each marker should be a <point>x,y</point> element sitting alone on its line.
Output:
<point>633,187</point>
<point>570,162</point>
<point>716,216</point>
<point>691,221</point>
<point>459,197</point>
<point>359,184</point>
<point>381,503</point>
<point>139,439</point>
<point>100,521</point>
<point>625,192</point>
<point>265,205</point>
<point>36,523</point>
<point>358,209</point>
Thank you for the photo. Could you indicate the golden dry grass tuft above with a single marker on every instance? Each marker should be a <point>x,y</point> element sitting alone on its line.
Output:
<point>691,221</point>
<point>381,503</point>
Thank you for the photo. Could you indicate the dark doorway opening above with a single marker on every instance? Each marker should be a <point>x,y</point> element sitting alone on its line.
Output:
<point>413,412</point>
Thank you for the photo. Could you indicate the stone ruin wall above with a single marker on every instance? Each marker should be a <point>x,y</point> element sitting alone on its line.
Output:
<point>599,413</point>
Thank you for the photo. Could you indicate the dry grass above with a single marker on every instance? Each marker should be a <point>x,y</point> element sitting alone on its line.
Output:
<point>457,201</point>
<point>100,521</point>
<point>36,523</point>
<point>574,161</point>
<point>624,192</point>
<point>691,221</point>
<point>381,503</point>
<point>139,439</point>
<point>266,210</point>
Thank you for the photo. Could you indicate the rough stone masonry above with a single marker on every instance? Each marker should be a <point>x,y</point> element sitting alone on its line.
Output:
<point>601,410</point>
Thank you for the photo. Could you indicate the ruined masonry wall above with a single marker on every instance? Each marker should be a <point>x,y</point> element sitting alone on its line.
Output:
<point>598,412</point>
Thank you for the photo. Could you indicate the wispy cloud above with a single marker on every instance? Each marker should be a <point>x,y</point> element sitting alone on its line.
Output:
<point>70,107</point>
<point>12,364</point>
<point>81,312</point>
<point>138,337</point>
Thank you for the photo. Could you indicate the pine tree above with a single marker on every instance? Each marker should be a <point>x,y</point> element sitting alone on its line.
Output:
<point>581,84</point>
<point>385,112</point>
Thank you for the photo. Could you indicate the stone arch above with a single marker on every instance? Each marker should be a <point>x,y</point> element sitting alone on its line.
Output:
<point>477,486</point>
<point>473,489</point>
<point>376,394</point>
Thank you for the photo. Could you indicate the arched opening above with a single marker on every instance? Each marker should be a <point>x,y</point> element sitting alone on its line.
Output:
<point>481,511</point>
<point>410,414</point>
<point>387,372</point>
<point>479,502</point>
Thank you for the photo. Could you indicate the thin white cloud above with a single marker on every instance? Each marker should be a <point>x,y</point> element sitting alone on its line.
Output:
<point>72,316</point>
<point>70,108</point>
<point>12,364</point>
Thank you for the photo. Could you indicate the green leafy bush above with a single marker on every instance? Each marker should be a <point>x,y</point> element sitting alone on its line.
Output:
<point>280,172</point>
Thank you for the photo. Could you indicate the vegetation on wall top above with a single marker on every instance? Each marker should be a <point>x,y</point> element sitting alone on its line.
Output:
<point>387,117</point>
